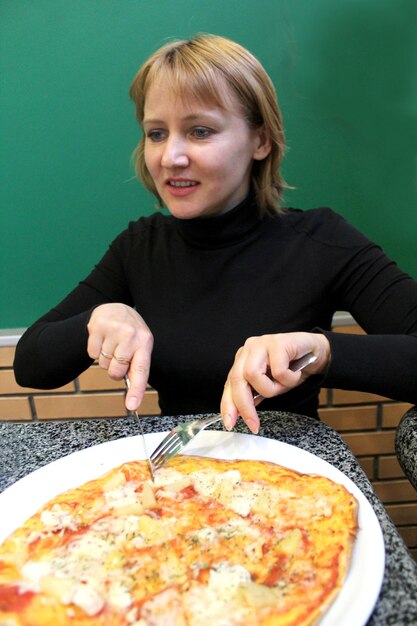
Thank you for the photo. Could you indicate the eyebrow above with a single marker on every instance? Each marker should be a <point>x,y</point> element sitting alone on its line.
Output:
<point>187,118</point>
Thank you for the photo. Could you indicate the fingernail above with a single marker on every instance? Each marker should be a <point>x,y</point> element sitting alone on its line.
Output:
<point>227,421</point>
<point>132,403</point>
<point>253,426</point>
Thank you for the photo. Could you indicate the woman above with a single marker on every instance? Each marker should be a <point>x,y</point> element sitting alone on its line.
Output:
<point>213,301</point>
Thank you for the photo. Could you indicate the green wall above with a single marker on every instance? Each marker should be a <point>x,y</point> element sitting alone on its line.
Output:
<point>346,76</point>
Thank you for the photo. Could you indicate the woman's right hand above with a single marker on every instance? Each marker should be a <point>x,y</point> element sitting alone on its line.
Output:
<point>121,342</point>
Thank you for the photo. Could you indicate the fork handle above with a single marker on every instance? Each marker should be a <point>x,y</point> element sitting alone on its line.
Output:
<point>211,420</point>
<point>302,362</point>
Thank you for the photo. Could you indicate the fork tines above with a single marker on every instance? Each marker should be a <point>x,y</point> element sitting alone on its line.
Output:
<point>166,449</point>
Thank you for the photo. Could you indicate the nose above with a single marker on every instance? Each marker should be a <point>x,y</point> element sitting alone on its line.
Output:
<point>174,153</point>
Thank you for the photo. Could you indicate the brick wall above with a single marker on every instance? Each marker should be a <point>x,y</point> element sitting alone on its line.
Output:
<point>367,423</point>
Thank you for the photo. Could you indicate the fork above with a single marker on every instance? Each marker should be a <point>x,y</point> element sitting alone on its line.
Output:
<point>182,434</point>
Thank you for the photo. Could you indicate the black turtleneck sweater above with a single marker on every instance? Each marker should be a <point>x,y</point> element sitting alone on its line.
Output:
<point>204,285</point>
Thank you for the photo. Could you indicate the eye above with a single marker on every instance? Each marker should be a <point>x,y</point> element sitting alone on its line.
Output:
<point>201,132</point>
<point>156,135</point>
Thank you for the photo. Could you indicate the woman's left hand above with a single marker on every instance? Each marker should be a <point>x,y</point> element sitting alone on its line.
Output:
<point>261,366</point>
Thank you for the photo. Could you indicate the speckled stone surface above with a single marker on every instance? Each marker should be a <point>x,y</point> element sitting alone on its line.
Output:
<point>406,445</point>
<point>26,447</point>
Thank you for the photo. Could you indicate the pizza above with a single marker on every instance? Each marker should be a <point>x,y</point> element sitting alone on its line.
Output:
<point>212,542</point>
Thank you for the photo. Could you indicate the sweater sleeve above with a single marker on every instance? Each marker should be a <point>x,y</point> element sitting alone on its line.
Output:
<point>381,364</point>
<point>383,301</point>
<point>53,351</point>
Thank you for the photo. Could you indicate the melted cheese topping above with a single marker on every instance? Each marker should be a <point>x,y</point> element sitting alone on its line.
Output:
<point>56,518</point>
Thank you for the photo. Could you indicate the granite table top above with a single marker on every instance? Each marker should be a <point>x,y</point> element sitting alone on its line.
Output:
<point>406,444</point>
<point>27,446</point>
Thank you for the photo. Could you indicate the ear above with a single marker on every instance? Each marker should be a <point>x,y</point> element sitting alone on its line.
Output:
<point>262,143</point>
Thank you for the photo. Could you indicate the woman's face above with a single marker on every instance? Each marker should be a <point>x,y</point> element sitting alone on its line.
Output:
<point>199,156</point>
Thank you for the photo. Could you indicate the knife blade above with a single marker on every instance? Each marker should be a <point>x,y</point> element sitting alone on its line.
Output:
<point>138,420</point>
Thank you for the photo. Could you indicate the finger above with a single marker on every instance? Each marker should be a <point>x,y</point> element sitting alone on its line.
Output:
<point>138,374</point>
<point>238,399</point>
<point>105,357</point>
<point>252,365</point>
<point>282,374</point>
<point>242,398</point>
<point>263,385</point>
<point>94,344</point>
<point>229,411</point>
<point>138,381</point>
<point>120,362</point>
<point>249,415</point>
<point>227,408</point>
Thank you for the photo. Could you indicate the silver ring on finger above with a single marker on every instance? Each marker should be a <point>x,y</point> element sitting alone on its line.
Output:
<point>122,360</point>
<point>106,354</point>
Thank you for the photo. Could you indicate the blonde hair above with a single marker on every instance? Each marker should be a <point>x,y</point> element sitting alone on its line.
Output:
<point>209,68</point>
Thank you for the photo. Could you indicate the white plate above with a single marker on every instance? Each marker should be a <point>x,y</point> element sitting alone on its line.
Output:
<point>356,600</point>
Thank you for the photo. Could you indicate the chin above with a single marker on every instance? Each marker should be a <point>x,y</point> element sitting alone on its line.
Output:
<point>182,211</point>
<point>186,215</point>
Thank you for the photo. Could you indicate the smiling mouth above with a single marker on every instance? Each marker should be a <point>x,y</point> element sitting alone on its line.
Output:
<point>181,183</point>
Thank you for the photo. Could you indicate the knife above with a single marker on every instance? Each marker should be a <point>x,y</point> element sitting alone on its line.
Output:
<point>136,415</point>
